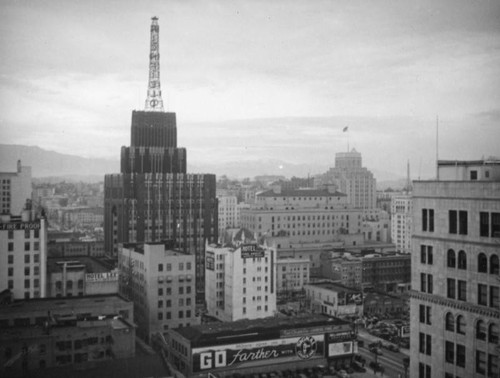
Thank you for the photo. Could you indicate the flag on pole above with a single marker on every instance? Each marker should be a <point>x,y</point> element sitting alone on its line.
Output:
<point>345,129</point>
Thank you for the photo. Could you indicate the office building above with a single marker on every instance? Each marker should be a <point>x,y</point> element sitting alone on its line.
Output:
<point>401,222</point>
<point>160,282</point>
<point>15,189</point>
<point>81,331</point>
<point>455,301</point>
<point>351,178</point>
<point>153,198</point>
<point>303,215</point>
<point>228,212</point>
<point>240,278</point>
<point>291,275</point>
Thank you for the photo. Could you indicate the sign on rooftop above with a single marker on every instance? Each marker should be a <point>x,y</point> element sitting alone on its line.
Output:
<point>251,251</point>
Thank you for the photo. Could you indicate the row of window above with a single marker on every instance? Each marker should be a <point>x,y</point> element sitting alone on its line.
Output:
<point>168,267</point>
<point>27,234</point>
<point>27,271</point>
<point>181,301</point>
<point>168,315</point>
<point>168,290</point>
<point>489,223</point>
<point>27,246</point>
<point>27,259</point>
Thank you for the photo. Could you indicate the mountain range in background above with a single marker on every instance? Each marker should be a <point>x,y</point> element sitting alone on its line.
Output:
<point>51,165</point>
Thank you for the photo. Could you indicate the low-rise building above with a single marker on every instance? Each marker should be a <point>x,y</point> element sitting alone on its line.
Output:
<point>261,346</point>
<point>161,283</point>
<point>333,299</point>
<point>240,279</point>
<point>387,272</point>
<point>41,333</point>
<point>346,269</point>
<point>291,275</point>
<point>71,276</point>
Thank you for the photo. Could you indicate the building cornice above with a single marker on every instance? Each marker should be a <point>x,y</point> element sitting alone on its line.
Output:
<point>454,304</point>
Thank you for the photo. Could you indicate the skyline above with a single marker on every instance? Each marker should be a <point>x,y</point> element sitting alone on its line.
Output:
<point>251,80</point>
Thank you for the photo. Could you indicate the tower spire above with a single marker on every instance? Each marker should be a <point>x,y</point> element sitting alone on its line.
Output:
<point>154,103</point>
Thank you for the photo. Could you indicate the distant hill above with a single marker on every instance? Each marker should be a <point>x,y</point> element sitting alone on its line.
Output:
<point>45,163</point>
<point>55,166</point>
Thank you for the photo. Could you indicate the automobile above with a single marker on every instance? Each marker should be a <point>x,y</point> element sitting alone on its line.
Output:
<point>358,367</point>
<point>393,348</point>
<point>376,366</point>
<point>376,344</point>
<point>376,350</point>
<point>360,359</point>
<point>342,374</point>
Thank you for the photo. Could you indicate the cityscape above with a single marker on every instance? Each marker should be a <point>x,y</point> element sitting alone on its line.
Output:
<point>338,216</point>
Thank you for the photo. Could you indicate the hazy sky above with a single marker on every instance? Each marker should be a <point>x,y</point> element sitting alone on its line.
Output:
<point>258,79</point>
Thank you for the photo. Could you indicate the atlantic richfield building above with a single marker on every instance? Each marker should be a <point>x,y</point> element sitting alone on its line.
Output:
<point>455,302</point>
<point>153,198</point>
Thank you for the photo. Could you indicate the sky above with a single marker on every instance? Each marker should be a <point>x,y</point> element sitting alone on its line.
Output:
<point>258,79</point>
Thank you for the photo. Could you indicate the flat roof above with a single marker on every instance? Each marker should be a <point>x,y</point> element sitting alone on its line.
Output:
<point>90,264</point>
<point>57,304</point>
<point>301,193</point>
<point>333,286</point>
<point>240,329</point>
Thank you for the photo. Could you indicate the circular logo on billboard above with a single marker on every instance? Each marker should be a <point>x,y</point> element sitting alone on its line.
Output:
<point>306,347</point>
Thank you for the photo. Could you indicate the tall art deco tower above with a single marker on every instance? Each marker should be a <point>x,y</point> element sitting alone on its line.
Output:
<point>153,198</point>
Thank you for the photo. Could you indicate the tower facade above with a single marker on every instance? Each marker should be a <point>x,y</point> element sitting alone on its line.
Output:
<point>353,179</point>
<point>153,198</point>
<point>455,301</point>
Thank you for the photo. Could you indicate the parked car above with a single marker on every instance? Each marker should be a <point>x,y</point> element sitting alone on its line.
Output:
<point>376,350</point>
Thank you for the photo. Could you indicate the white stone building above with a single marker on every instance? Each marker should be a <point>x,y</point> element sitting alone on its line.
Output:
<point>401,221</point>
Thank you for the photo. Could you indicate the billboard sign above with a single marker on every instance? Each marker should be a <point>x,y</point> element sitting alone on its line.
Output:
<point>251,251</point>
<point>101,277</point>
<point>258,353</point>
<point>20,226</point>
<point>209,260</point>
<point>339,349</point>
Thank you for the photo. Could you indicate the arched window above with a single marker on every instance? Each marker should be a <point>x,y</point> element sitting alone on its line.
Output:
<point>461,324</point>
<point>450,322</point>
<point>494,268</point>
<point>452,261</point>
<point>493,333</point>
<point>482,263</point>
<point>462,260</point>
<point>480,330</point>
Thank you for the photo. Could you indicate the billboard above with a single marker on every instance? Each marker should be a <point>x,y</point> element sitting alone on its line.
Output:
<point>209,260</point>
<point>101,277</point>
<point>339,349</point>
<point>258,353</point>
<point>20,226</point>
<point>251,251</point>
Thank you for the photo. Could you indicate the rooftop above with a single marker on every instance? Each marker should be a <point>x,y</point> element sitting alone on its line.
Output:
<point>333,287</point>
<point>238,329</point>
<point>301,193</point>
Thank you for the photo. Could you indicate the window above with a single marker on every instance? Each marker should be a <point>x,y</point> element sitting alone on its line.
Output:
<point>462,290</point>
<point>27,271</point>
<point>460,354</point>
<point>160,316</point>
<point>26,259</point>
<point>451,288</point>
<point>26,284</point>
<point>482,295</point>
<point>425,342</point>
<point>10,259</point>
<point>428,220</point>
<point>452,221</point>
<point>426,283</point>
<point>482,263</point>
<point>480,330</point>
<point>160,304</point>
<point>426,256</point>
<point>11,234</point>
<point>473,175</point>
<point>450,322</point>
<point>26,234</point>
<point>425,314</point>
<point>181,266</point>
<point>10,246</point>
<point>462,260</point>
<point>462,223</point>
<point>451,259</point>
<point>181,314</point>
<point>424,371</point>
<point>484,224</point>
<point>461,324</point>
<point>494,267</point>
<point>69,285</point>
<point>495,225</point>
<point>160,267</point>
<point>480,362</point>
<point>494,296</point>
<point>168,303</point>
<point>188,266</point>
<point>492,365</point>
<point>449,351</point>
<point>493,333</point>
<point>169,267</point>
<point>27,246</point>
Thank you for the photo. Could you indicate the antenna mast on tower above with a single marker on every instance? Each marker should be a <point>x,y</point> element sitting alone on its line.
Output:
<point>154,103</point>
